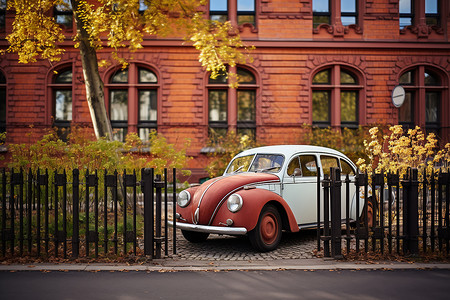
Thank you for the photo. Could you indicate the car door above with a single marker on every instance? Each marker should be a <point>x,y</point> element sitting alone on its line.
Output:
<point>300,188</point>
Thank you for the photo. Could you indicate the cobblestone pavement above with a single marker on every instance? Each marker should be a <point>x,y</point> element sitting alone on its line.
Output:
<point>228,248</point>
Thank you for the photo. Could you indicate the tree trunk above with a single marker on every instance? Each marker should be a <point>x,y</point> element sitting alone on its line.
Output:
<point>94,84</point>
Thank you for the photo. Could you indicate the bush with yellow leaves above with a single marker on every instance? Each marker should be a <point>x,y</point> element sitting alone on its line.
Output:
<point>399,150</point>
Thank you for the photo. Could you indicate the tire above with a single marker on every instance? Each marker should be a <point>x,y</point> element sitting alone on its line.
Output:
<point>370,217</point>
<point>267,234</point>
<point>195,237</point>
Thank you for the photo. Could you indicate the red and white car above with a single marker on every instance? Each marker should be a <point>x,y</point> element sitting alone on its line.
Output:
<point>263,191</point>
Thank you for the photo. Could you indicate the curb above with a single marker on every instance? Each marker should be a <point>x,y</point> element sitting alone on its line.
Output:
<point>195,266</point>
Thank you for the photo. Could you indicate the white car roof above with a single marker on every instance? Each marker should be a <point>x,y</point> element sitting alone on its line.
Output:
<point>290,150</point>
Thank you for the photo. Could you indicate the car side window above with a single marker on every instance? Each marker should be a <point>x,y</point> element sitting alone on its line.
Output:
<point>294,164</point>
<point>309,165</point>
<point>328,162</point>
<point>346,168</point>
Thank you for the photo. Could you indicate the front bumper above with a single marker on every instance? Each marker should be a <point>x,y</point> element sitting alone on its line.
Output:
<point>210,229</point>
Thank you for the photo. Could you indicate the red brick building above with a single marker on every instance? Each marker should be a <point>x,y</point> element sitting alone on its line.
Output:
<point>320,62</point>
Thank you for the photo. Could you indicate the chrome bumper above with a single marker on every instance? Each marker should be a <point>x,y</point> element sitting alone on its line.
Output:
<point>210,229</point>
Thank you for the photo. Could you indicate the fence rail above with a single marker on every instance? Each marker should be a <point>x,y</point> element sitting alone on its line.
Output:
<point>85,213</point>
<point>410,215</point>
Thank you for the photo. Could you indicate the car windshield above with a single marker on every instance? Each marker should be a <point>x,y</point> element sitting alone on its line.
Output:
<point>270,163</point>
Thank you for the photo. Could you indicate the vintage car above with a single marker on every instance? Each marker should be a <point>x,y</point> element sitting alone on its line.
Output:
<point>263,191</point>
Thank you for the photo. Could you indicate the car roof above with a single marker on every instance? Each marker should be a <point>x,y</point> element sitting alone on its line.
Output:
<point>289,150</point>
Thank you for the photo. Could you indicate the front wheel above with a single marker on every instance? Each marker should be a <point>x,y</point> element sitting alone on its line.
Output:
<point>195,237</point>
<point>267,234</point>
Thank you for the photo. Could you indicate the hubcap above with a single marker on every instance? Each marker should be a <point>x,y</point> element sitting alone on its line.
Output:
<point>269,228</point>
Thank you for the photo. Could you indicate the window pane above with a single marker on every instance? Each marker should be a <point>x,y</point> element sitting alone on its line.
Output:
<point>63,105</point>
<point>146,76</point>
<point>405,22</point>
<point>64,77</point>
<point>347,78</point>
<point>317,20</point>
<point>432,107</point>
<point>431,79</point>
<point>309,165</point>
<point>246,5</point>
<point>220,79</point>
<point>348,20</point>
<point>246,105</point>
<point>119,134</point>
<point>121,76</point>
<point>2,78</point>
<point>327,163</point>
<point>147,105</point>
<point>294,164</point>
<point>144,134</point>
<point>243,19</point>
<point>65,20</point>
<point>66,6</point>
<point>406,78</point>
<point>321,106</point>
<point>405,6</point>
<point>2,4</point>
<point>322,77</point>
<point>348,6</point>
<point>431,6</point>
<point>348,106</point>
<point>245,76</point>
<point>430,21</point>
<point>250,132</point>
<point>346,168</point>
<point>321,6</point>
<point>405,112</point>
<point>119,105</point>
<point>218,105</point>
<point>219,18</point>
<point>218,5</point>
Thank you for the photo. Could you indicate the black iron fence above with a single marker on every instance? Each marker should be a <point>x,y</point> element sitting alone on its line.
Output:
<point>406,216</point>
<point>86,214</point>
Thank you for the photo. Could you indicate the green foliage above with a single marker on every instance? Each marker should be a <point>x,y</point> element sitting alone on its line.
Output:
<point>83,152</point>
<point>225,147</point>
<point>348,141</point>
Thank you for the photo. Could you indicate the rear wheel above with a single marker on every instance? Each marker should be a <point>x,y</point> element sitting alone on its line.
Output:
<point>195,237</point>
<point>267,234</point>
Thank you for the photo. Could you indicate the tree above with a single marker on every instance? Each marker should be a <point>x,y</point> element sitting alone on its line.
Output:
<point>119,24</point>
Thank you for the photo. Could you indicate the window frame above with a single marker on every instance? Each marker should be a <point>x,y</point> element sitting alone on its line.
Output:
<point>133,87</point>
<point>419,90</point>
<point>334,88</point>
<point>232,122</point>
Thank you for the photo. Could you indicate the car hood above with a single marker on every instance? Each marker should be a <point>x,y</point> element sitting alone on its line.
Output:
<point>211,194</point>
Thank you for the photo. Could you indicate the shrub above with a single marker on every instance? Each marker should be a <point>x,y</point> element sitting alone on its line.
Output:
<point>225,147</point>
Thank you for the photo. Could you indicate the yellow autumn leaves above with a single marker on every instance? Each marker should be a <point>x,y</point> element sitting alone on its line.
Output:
<point>399,150</point>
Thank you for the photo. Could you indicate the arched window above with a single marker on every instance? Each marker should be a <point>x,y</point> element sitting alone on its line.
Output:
<point>133,94</point>
<point>230,108</point>
<point>335,98</point>
<point>62,100</point>
<point>423,105</point>
<point>2,103</point>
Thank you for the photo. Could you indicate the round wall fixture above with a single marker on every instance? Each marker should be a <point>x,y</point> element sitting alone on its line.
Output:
<point>398,96</point>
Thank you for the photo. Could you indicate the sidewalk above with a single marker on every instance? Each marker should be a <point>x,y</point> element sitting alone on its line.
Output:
<point>175,265</point>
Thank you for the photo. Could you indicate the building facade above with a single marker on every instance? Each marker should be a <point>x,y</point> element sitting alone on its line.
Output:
<point>317,62</point>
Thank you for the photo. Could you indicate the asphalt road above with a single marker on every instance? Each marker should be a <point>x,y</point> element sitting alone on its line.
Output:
<point>345,284</point>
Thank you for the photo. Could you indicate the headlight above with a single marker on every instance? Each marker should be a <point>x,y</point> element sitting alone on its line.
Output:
<point>234,203</point>
<point>183,198</point>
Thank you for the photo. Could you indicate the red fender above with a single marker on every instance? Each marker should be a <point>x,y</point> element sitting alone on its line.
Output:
<point>253,202</point>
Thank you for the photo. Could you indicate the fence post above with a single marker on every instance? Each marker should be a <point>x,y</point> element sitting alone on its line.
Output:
<point>412,214</point>
<point>147,189</point>
<point>159,184</point>
<point>326,216</point>
<point>336,233</point>
<point>76,217</point>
